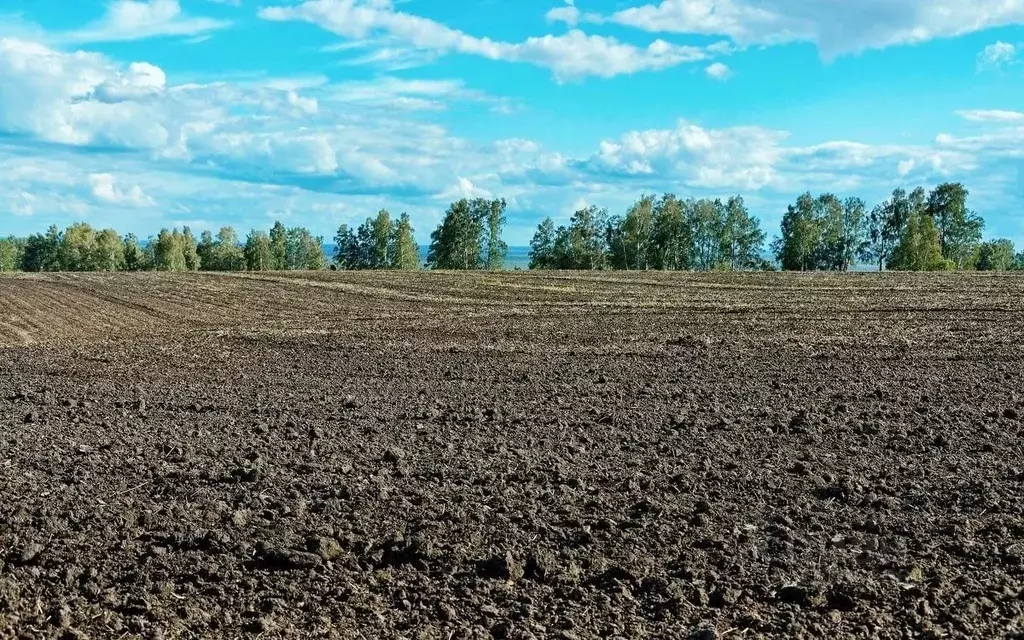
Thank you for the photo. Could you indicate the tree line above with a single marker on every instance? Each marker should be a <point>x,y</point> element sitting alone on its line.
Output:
<point>80,247</point>
<point>915,231</point>
<point>655,233</point>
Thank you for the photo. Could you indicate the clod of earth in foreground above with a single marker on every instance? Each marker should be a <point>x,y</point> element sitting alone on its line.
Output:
<point>501,567</point>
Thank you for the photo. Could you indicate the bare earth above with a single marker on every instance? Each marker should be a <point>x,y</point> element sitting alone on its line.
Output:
<point>511,455</point>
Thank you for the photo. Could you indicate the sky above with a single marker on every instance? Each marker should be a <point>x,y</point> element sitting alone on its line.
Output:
<point>142,114</point>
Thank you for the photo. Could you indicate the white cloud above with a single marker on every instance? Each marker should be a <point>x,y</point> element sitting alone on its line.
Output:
<point>463,188</point>
<point>997,56</point>
<point>718,71</point>
<point>305,105</point>
<point>77,98</point>
<point>142,80</point>
<point>104,188</point>
<point>991,115</point>
<point>567,13</point>
<point>569,56</point>
<point>836,27</point>
<point>139,19</point>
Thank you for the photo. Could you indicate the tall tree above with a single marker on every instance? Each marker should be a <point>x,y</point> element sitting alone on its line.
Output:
<point>458,240</point>
<point>258,252</point>
<point>585,243</point>
<point>542,246</point>
<point>494,217</point>
<point>305,251</point>
<point>381,237</point>
<point>169,251</point>
<point>12,252</point>
<point>854,231</point>
<point>996,255</point>
<point>707,227</point>
<point>109,252</point>
<point>207,252</point>
<point>279,246</point>
<point>959,228</point>
<point>885,227</point>
<point>189,249</point>
<point>795,249</point>
<point>637,234</point>
<point>227,252</point>
<point>135,257</point>
<point>672,244</point>
<point>77,248</point>
<point>742,237</point>
<point>919,248</point>
<point>349,253</point>
<point>41,251</point>
<point>831,246</point>
<point>406,253</point>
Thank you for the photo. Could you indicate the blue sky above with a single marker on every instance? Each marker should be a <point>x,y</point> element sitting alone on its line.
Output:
<point>139,114</point>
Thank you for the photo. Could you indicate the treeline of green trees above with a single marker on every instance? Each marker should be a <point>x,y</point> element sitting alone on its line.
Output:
<point>916,231</point>
<point>469,237</point>
<point>83,248</point>
<point>913,231</point>
<point>655,233</point>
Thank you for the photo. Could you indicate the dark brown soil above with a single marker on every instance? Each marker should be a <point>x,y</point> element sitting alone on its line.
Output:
<point>511,456</point>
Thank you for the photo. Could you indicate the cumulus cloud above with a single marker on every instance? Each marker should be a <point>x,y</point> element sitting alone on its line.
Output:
<point>836,27</point>
<point>105,189</point>
<point>569,56</point>
<point>997,56</point>
<point>718,71</point>
<point>139,19</point>
<point>77,98</point>
<point>567,13</point>
<point>463,188</point>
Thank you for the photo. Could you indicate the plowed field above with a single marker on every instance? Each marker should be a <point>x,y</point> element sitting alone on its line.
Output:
<point>511,455</point>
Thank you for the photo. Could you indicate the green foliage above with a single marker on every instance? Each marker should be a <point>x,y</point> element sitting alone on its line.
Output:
<point>632,237</point>
<point>41,250</point>
<point>919,248</point>
<point>12,253</point>
<point>279,246</point>
<point>673,239</point>
<point>259,251</point>
<point>305,252</point>
<point>169,251</point>
<point>656,233</point>
<point>228,254</point>
<point>817,232</point>
<point>349,253</point>
<point>959,228</point>
<point>380,233</point>
<point>458,241</point>
<point>205,249</point>
<point>406,253</point>
<point>109,254</point>
<point>542,246</point>
<point>996,255</point>
<point>742,239</point>
<point>378,243</point>
<point>189,249</point>
<point>886,224</point>
<point>494,214</point>
<point>135,257</point>
<point>797,248</point>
